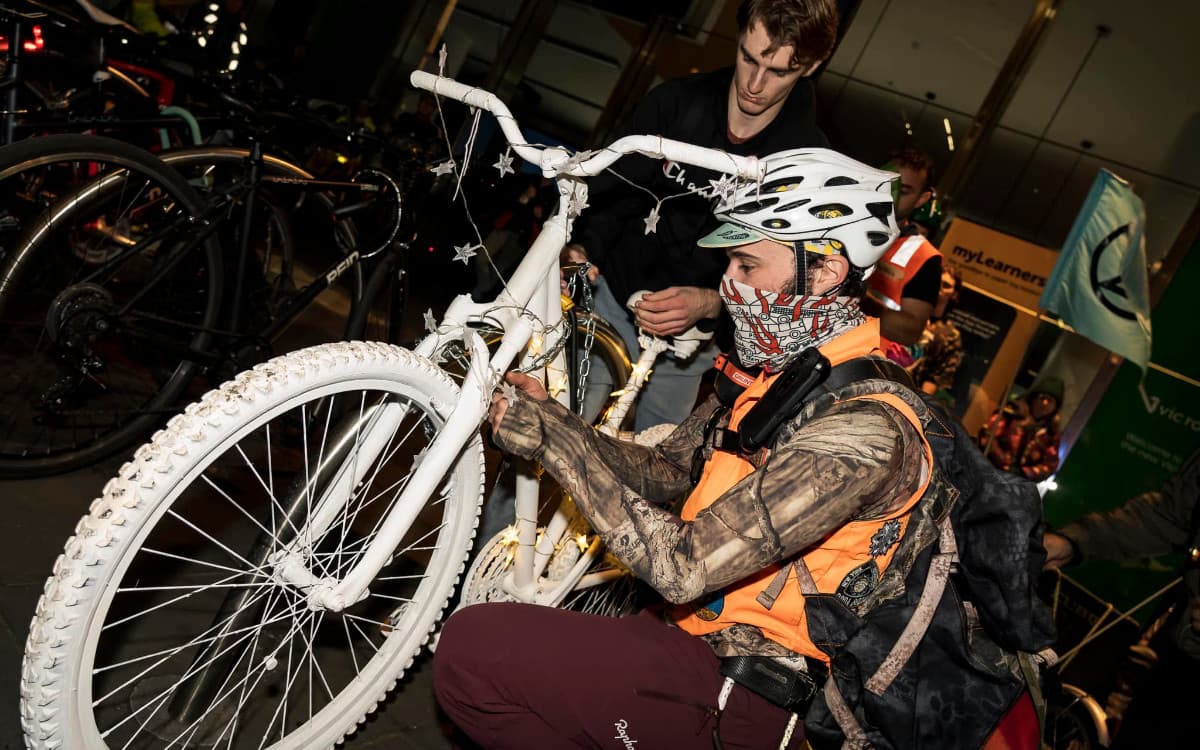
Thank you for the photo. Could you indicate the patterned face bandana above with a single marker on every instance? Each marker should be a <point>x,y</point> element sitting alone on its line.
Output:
<point>770,328</point>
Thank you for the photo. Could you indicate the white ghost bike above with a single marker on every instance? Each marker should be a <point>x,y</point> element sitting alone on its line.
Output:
<point>264,570</point>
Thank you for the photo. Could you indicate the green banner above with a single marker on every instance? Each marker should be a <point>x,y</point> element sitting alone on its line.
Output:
<point>1136,438</point>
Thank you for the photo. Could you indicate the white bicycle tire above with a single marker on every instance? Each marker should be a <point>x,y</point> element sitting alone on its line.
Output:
<point>57,668</point>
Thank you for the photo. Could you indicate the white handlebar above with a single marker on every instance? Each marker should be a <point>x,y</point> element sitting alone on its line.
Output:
<point>556,161</point>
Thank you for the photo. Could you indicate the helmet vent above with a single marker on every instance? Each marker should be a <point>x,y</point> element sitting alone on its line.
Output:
<point>881,210</point>
<point>754,206</point>
<point>777,224</point>
<point>830,211</point>
<point>793,205</point>
<point>839,181</point>
<point>781,185</point>
<point>878,238</point>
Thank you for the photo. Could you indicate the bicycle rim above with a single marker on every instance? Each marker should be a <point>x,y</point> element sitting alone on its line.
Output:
<point>190,641</point>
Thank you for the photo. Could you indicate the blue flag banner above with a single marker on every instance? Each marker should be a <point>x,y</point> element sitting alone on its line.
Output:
<point>1099,285</point>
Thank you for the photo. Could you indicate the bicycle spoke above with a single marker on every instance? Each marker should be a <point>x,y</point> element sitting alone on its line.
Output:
<point>167,603</point>
<point>209,537</point>
<point>167,658</point>
<point>195,669</point>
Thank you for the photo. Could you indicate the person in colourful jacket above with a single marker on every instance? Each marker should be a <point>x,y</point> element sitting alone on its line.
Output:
<point>1022,438</point>
<point>845,488</point>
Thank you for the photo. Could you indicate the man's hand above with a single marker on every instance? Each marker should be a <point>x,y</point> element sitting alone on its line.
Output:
<point>676,309</point>
<point>528,386</point>
<point>575,253</point>
<point>1059,551</point>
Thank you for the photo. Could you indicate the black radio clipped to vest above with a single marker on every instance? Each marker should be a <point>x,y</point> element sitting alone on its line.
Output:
<point>783,400</point>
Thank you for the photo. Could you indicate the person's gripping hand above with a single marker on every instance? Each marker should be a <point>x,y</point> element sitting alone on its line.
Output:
<point>1059,551</point>
<point>676,309</point>
<point>575,253</point>
<point>529,387</point>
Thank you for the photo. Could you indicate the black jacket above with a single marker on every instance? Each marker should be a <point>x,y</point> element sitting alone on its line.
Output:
<point>692,110</point>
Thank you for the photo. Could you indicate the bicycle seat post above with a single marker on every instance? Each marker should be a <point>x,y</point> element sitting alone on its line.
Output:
<point>12,66</point>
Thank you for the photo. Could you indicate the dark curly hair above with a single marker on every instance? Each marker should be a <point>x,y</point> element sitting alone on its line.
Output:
<point>808,26</point>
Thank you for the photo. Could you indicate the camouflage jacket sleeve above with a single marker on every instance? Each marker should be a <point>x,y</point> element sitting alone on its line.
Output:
<point>659,474</point>
<point>855,461</point>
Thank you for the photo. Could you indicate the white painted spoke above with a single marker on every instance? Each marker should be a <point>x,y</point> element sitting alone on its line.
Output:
<point>262,671</point>
<point>358,627</point>
<point>350,645</point>
<point>205,563</point>
<point>166,654</point>
<point>257,584</point>
<point>199,640</point>
<point>171,512</point>
<point>194,669</point>
<point>167,603</point>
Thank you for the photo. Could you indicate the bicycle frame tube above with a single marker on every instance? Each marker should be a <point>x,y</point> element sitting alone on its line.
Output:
<point>533,287</point>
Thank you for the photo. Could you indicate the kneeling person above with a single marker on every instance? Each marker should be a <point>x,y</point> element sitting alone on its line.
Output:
<point>819,506</point>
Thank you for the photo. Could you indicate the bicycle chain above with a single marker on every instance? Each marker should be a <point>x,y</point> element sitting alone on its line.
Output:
<point>589,330</point>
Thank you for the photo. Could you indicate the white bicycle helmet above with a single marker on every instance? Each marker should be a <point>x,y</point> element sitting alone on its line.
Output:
<point>809,197</point>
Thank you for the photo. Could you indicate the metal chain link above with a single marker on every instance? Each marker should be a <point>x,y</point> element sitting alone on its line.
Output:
<point>580,280</point>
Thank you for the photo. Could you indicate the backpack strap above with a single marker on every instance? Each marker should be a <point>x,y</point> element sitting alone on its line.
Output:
<point>914,631</point>
<point>867,368</point>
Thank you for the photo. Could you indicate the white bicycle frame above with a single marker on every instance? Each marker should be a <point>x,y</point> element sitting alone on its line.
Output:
<point>532,292</point>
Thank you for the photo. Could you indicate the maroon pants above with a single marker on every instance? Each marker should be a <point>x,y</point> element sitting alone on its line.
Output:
<point>524,676</point>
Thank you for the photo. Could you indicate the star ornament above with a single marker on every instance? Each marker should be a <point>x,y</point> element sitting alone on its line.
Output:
<point>509,392</point>
<point>652,220</point>
<point>430,321</point>
<point>505,163</point>
<point>724,188</point>
<point>576,203</point>
<point>446,167</point>
<point>465,252</point>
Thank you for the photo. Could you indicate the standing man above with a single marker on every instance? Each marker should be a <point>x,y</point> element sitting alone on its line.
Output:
<point>904,288</point>
<point>763,104</point>
<point>1163,711</point>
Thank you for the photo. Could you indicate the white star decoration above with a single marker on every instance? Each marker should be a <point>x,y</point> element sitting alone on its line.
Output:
<point>723,188</point>
<point>464,252</point>
<point>446,167</point>
<point>505,163</point>
<point>509,392</point>
<point>652,220</point>
<point>576,203</point>
<point>430,321</point>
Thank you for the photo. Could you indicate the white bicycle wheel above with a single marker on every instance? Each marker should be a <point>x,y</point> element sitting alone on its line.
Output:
<point>161,627</point>
<point>615,595</point>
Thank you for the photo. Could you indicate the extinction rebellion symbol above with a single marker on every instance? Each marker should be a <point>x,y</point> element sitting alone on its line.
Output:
<point>1110,291</point>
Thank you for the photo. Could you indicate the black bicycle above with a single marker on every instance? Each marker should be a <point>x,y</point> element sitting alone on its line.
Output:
<point>123,277</point>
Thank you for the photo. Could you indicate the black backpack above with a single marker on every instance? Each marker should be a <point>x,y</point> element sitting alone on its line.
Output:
<point>954,682</point>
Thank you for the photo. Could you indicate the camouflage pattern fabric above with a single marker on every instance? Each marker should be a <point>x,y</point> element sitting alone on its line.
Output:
<point>941,353</point>
<point>856,460</point>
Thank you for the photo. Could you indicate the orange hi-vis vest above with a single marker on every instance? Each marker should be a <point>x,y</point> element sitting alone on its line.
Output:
<point>898,266</point>
<point>830,561</point>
